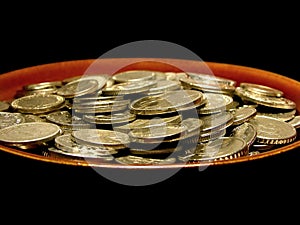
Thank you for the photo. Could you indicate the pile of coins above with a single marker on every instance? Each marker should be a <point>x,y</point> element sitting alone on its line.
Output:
<point>148,117</point>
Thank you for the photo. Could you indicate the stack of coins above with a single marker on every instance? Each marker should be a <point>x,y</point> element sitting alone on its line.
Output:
<point>148,117</point>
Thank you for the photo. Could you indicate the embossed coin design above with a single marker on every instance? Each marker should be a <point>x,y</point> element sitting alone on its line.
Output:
<point>29,135</point>
<point>273,131</point>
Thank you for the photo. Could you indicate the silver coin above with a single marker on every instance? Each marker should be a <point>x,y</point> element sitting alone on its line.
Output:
<point>29,134</point>
<point>9,118</point>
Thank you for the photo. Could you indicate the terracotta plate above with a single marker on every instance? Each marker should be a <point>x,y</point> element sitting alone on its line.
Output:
<point>12,81</point>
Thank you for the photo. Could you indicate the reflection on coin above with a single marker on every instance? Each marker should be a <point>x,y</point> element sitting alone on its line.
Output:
<point>273,131</point>
<point>27,135</point>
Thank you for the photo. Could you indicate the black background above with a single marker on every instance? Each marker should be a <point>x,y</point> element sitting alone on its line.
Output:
<point>267,44</point>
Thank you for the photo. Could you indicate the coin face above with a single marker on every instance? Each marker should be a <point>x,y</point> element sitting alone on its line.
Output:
<point>273,131</point>
<point>38,103</point>
<point>101,137</point>
<point>9,118</point>
<point>261,89</point>
<point>165,103</point>
<point>78,88</point>
<point>215,103</point>
<point>246,131</point>
<point>265,100</point>
<point>243,114</point>
<point>29,133</point>
<point>222,148</point>
<point>134,76</point>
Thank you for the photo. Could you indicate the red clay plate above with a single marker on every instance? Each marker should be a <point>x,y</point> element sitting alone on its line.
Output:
<point>12,81</point>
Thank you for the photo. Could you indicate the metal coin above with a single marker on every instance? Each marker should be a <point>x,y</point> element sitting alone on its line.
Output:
<point>165,103</point>
<point>78,88</point>
<point>139,160</point>
<point>29,134</point>
<point>101,137</point>
<point>134,76</point>
<point>243,114</point>
<point>273,131</point>
<point>223,148</point>
<point>9,118</point>
<point>269,101</point>
<point>38,103</point>
<point>261,89</point>
<point>215,103</point>
<point>245,131</point>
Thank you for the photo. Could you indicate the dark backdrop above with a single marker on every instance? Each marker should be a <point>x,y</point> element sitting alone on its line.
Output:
<point>273,48</point>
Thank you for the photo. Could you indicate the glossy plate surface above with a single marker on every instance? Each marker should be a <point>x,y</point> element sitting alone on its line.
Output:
<point>12,81</point>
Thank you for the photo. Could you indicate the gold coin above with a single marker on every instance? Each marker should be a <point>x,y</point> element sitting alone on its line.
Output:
<point>78,88</point>
<point>168,102</point>
<point>273,131</point>
<point>38,103</point>
<point>134,76</point>
<point>29,135</point>
<point>101,137</point>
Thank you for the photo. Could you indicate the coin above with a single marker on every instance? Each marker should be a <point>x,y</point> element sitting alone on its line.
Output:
<point>67,146</point>
<point>165,103</point>
<point>134,76</point>
<point>38,103</point>
<point>215,103</point>
<point>295,122</point>
<point>9,118</point>
<point>243,114</point>
<point>223,148</point>
<point>246,131</point>
<point>269,101</point>
<point>158,132</point>
<point>29,135</point>
<point>78,88</point>
<point>273,131</point>
<point>128,88</point>
<point>261,89</point>
<point>101,137</point>
<point>139,160</point>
